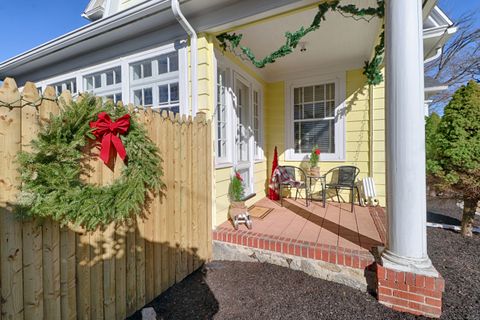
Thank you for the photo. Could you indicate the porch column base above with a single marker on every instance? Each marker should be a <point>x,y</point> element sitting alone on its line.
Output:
<point>406,264</point>
<point>418,293</point>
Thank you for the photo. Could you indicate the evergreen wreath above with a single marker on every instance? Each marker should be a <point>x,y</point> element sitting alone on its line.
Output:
<point>51,173</point>
<point>371,69</point>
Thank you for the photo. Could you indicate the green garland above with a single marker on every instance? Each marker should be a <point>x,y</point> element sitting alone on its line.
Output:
<point>372,68</point>
<point>51,173</point>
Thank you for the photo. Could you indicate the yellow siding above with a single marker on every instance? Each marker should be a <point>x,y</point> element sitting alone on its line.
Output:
<point>357,128</point>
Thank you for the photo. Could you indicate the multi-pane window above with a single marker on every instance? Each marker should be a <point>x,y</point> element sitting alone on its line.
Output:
<point>314,118</point>
<point>256,124</point>
<point>70,85</point>
<point>155,82</point>
<point>221,118</point>
<point>106,84</point>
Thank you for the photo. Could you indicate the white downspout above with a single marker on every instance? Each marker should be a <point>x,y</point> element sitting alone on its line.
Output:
<point>193,50</point>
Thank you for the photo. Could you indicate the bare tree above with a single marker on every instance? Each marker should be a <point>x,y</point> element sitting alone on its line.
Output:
<point>459,61</point>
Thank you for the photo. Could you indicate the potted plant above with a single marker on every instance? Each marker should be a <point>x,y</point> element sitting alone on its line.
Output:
<point>314,157</point>
<point>236,194</point>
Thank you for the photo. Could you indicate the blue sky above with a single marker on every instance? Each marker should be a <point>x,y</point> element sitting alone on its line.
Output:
<point>29,23</point>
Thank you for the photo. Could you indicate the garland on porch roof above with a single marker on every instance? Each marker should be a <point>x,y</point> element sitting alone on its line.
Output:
<point>372,70</point>
<point>54,174</point>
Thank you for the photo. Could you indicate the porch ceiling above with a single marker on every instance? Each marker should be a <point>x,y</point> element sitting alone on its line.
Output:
<point>340,42</point>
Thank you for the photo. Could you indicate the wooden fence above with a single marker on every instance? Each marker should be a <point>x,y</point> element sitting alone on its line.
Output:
<point>53,272</point>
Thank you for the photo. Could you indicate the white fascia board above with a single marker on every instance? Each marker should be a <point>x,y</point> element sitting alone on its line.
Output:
<point>91,30</point>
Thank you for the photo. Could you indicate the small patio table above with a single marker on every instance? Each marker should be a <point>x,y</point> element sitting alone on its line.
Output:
<point>312,181</point>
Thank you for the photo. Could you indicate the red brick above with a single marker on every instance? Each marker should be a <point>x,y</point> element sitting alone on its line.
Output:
<point>410,279</point>
<point>214,235</point>
<point>304,252</point>
<point>278,246</point>
<point>425,292</point>
<point>356,262</point>
<point>430,283</point>
<point>390,275</point>
<point>272,245</point>
<point>363,263</point>
<point>229,237</point>
<point>419,281</point>
<point>261,244</point>
<point>318,253</point>
<point>348,260</point>
<point>297,250</point>
<point>311,253</point>
<point>285,247</point>
<point>250,242</point>
<point>332,257</point>
<point>394,301</point>
<point>380,272</point>
<point>400,277</point>
<point>291,249</point>
<point>255,242</point>
<point>408,296</point>
<point>385,291</point>
<point>340,258</point>
<point>325,255</point>
<point>433,302</point>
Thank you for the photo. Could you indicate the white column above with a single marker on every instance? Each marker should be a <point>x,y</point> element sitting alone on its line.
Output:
<point>405,138</point>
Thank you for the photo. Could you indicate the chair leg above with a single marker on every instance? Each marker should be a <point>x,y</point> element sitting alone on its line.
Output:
<point>358,193</point>
<point>296,194</point>
<point>353,199</point>
<point>338,197</point>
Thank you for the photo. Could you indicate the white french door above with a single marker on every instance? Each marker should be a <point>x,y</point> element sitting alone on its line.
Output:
<point>244,138</point>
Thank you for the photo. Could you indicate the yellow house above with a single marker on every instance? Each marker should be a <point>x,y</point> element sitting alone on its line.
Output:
<point>171,56</point>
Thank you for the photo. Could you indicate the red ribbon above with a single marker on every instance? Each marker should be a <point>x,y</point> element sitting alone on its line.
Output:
<point>108,132</point>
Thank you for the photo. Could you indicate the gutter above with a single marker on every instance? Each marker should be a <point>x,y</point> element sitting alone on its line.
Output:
<point>193,50</point>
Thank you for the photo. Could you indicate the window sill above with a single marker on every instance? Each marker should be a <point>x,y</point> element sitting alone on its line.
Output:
<point>223,165</point>
<point>304,157</point>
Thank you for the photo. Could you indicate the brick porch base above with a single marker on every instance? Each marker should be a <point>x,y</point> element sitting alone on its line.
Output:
<point>409,292</point>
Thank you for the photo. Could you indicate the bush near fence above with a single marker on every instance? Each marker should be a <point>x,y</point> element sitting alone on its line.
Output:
<point>53,272</point>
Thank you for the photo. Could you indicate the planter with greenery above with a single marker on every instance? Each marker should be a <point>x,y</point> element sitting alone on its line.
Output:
<point>314,158</point>
<point>236,195</point>
<point>453,151</point>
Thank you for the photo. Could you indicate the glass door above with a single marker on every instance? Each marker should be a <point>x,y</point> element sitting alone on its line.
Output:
<point>244,133</point>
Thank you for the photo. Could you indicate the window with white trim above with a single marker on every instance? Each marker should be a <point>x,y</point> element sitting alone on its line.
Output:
<point>70,85</point>
<point>106,84</point>
<point>257,134</point>
<point>314,118</point>
<point>221,118</point>
<point>155,82</point>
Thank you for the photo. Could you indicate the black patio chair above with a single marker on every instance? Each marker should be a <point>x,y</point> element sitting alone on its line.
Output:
<point>294,177</point>
<point>342,178</point>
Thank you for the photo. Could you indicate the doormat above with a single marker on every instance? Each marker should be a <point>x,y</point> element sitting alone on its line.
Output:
<point>259,212</point>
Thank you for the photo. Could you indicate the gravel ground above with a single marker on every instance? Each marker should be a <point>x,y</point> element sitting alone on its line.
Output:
<point>238,290</point>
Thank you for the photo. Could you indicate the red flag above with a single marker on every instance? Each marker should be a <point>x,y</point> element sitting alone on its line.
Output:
<point>272,193</point>
<point>107,132</point>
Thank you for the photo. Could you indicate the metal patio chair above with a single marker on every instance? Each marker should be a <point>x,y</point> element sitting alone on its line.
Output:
<point>342,178</point>
<point>291,177</point>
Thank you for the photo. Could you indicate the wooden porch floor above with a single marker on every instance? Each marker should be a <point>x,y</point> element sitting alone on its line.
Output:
<point>333,234</point>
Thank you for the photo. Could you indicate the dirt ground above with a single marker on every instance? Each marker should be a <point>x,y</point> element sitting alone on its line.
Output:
<point>238,290</point>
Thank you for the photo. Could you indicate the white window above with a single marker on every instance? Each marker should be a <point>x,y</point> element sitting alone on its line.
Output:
<point>106,84</point>
<point>315,117</point>
<point>70,85</point>
<point>155,82</point>
<point>257,125</point>
<point>221,118</point>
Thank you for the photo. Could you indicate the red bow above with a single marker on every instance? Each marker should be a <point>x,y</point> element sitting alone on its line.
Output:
<point>108,132</point>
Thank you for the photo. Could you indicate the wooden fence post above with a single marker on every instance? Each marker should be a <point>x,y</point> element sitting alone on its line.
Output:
<point>11,255</point>
<point>32,229</point>
<point>51,233</point>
